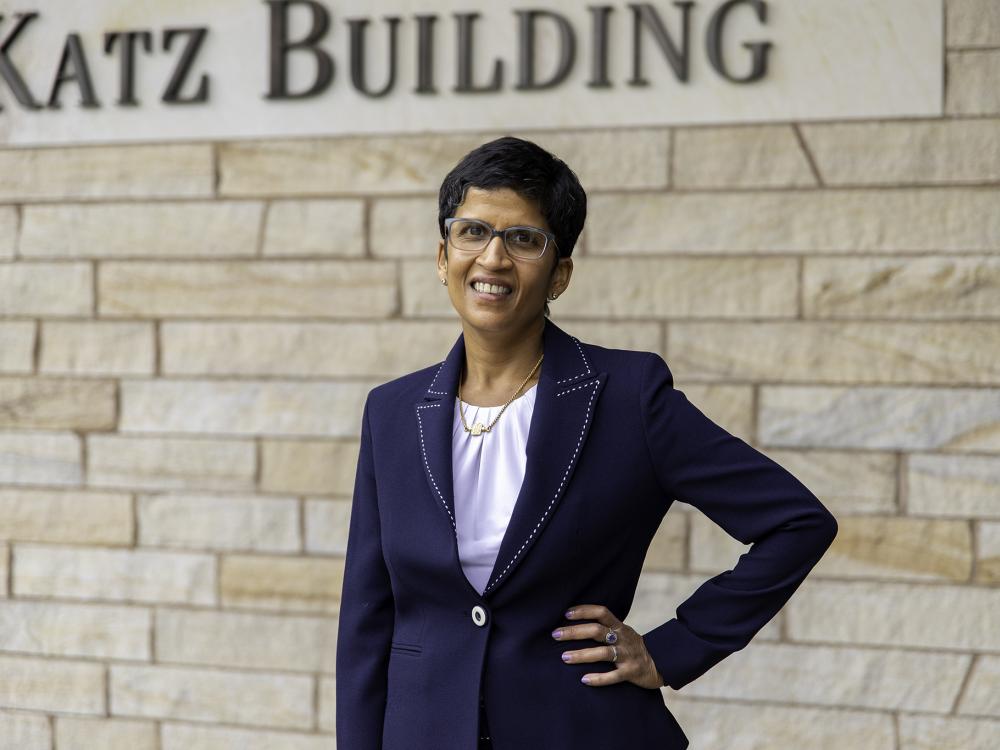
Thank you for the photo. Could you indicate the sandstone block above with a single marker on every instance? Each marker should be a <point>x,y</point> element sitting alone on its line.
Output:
<point>246,640</point>
<point>170,463</point>
<point>87,630</point>
<point>282,583</point>
<point>740,156</point>
<point>40,457</point>
<point>941,220</point>
<point>952,486</point>
<point>880,417</point>
<point>29,288</point>
<point>916,288</point>
<point>191,737</point>
<point>57,403</point>
<point>97,348</point>
<point>712,724</point>
<point>114,575</point>
<point>972,23</point>
<point>243,407</point>
<point>319,466</point>
<point>380,349</point>
<point>103,172</point>
<point>227,289</point>
<point>340,166</point>
<point>972,76</point>
<point>982,693</point>
<point>252,699</point>
<point>56,686</point>
<point>219,522</point>
<point>209,229</point>
<point>25,731</point>
<point>73,516</point>
<point>898,615</point>
<point>405,228</point>
<point>17,342</point>
<point>77,733</point>
<point>921,732</point>
<point>905,152</point>
<point>315,228</point>
<point>863,678</point>
<point>327,524</point>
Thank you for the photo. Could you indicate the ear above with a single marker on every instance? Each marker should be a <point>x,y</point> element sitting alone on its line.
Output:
<point>442,260</point>
<point>561,275</point>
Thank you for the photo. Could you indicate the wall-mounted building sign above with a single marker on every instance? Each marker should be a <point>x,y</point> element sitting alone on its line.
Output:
<point>131,70</point>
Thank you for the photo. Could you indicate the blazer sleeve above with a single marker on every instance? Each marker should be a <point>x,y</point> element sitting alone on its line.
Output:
<point>754,500</point>
<point>366,615</point>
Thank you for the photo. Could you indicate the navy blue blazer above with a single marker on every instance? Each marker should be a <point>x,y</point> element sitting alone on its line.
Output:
<point>611,445</point>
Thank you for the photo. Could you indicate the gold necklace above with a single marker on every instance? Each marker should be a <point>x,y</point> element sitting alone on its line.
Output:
<point>478,428</point>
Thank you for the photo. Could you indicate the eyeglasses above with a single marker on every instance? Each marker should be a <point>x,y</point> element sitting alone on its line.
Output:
<point>473,235</point>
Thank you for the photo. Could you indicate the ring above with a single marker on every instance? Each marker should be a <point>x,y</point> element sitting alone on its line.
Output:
<point>614,652</point>
<point>612,636</point>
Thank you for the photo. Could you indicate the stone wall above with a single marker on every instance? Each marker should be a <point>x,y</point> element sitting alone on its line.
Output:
<point>179,421</point>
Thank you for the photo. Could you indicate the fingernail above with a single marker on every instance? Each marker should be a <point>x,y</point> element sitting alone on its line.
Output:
<point>566,656</point>
<point>556,633</point>
<point>569,613</point>
<point>585,680</point>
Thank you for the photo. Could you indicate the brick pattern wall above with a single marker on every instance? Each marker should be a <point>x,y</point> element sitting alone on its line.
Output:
<point>188,331</point>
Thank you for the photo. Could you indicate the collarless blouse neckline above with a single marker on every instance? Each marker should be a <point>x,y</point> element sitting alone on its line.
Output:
<point>497,406</point>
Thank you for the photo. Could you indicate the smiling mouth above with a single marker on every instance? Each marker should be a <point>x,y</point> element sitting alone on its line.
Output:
<point>491,291</point>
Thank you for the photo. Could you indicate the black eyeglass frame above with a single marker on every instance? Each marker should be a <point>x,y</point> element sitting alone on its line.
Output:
<point>550,238</point>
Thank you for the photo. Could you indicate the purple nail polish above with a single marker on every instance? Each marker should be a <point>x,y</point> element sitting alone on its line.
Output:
<point>569,613</point>
<point>585,679</point>
<point>565,657</point>
<point>556,633</point>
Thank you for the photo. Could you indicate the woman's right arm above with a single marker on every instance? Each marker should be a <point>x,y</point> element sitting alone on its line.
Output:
<point>366,614</point>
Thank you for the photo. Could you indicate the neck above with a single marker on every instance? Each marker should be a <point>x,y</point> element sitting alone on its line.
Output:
<point>499,360</point>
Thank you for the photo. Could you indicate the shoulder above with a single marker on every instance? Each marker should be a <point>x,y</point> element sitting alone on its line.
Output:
<point>405,388</point>
<point>631,362</point>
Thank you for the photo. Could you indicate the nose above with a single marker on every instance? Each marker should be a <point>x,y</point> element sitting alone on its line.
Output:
<point>494,252</point>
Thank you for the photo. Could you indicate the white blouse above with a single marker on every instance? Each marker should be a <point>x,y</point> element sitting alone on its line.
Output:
<point>487,473</point>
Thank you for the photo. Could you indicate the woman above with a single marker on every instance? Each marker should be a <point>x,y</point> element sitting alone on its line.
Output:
<point>524,476</point>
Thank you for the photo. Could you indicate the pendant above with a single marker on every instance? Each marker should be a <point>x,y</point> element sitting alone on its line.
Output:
<point>477,428</point>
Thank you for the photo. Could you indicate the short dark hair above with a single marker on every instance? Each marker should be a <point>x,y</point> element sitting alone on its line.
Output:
<point>531,172</point>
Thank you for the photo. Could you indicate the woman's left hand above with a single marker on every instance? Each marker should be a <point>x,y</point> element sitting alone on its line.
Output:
<point>634,663</point>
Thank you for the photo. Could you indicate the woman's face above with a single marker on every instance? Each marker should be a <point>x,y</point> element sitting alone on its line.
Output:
<point>530,281</point>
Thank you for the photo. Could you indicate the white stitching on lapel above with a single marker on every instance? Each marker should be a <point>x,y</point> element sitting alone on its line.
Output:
<point>440,393</point>
<point>586,364</point>
<point>594,383</point>
<point>423,450</point>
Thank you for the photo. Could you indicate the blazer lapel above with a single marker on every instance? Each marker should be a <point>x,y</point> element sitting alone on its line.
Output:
<point>565,401</point>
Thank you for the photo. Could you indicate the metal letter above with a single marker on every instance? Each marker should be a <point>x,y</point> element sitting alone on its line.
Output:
<point>465,57</point>
<point>172,93</point>
<point>126,83</point>
<point>281,47</point>
<point>759,50</point>
<point>425,55</point>
<point>599,64</point>
<point>567,49</point>
<point>358,78</point>
<point>645,13</point>
<point>7,70</point>
<point>72,56</point>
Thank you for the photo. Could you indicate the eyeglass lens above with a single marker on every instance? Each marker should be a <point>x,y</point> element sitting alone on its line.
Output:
<point>470,235</point>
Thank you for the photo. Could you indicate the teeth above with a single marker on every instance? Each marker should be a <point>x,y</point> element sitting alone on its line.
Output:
<point>491,288</point>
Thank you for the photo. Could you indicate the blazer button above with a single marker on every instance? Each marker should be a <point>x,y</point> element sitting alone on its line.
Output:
<point>479,615</point>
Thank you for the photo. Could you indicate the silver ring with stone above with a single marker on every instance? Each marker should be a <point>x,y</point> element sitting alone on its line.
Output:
<point>612,636</point>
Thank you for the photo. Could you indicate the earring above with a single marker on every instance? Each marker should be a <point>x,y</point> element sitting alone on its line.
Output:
<point>553,296</point>
<point>444,281</point>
